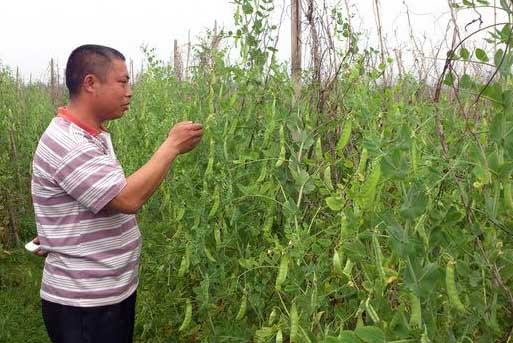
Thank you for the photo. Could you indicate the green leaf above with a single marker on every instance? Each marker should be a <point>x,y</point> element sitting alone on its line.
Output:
<point>481,55</point>
<point>331,339</point>
<point>494,92</point>
<point>505,6</point>
<point>464,53</point>
<point>498,57</point>
<point>466,82</point>
<point>449,79</point>
<point>247,8</point>
<point>347,337</point>
<point>395,165</point>
<point>415,202</point>
<point>335,203</point>
<point>370,334</point>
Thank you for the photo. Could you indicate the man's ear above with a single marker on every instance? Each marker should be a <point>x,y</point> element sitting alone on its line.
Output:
<point>90,83</point>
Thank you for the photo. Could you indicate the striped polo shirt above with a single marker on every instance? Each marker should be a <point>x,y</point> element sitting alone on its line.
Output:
<point>93,251</point>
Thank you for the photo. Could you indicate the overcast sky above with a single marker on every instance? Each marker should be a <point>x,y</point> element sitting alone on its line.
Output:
<point>34,31</point>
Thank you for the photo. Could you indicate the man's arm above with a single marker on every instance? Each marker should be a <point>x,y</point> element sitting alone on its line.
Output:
<point>182,138</point>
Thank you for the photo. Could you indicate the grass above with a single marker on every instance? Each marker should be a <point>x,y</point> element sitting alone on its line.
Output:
<point>20,305</point>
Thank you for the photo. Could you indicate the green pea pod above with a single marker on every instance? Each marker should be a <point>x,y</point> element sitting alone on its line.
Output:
<point>327,178</point>
<point>281,158</point>
<point>344,137</point>
<point>215,205</point>
<point>452,292</point>
<point>337,264</point>
<point>416,312</point>
<point>282,271</point>
<point>242,308</point>
<point>188,316</point>
<point>378,256</point>
<point>294,324</point>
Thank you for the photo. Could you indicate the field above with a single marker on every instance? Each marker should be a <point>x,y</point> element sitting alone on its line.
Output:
<point>353,210</point>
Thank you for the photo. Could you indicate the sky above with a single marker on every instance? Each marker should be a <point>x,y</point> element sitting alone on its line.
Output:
<point>33,31</point>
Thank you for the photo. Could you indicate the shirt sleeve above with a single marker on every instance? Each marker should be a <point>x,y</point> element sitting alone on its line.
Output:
<point>90,176</point>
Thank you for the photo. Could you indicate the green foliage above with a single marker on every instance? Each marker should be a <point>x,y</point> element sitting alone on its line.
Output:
<point>240,239</point>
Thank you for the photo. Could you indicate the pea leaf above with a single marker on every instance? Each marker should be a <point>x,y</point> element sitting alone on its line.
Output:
<point>464,53</point>
<point>335,203</point>
<point>481,55</point>
<point>370,334</point>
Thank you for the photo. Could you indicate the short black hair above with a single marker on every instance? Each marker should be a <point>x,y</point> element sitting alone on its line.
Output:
<point>89,59</point>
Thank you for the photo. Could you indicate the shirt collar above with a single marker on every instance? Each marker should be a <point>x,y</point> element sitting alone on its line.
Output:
<point>63,112</point>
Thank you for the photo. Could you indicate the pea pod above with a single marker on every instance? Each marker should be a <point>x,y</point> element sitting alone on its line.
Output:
<point>210,165</point>
<point>318,149</point>
<point>508,199</point>
<point>186,260</point>
<point>263,173</point>
<point>452,292</point>
<point>378,256</point>
<point>215,205</point>
<point>337,264</point>
<point>371,311</point>
<point>268,224</point>
<point>272,317</point>
<point>364,156</point>
<point>413,155</point>
<point>348,268</point>
<point>416,312</point>
<point>242,308</point>
<point>270,125</point>
<point>368,191</point>
<point>282,272</point>
<point>209,255</point>
<point>279,336</point>
<point>217,236</point>
<point>281,158</point>
<point>188,316</point>
<point>327,178</point>
<point>344,137</point>
<point>294,324</point>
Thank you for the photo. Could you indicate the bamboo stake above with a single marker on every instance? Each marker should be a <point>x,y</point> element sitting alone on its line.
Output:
<point>377,15</point>
<point>296,45</point>
<point>13,218</point>
<point>188,55</point>
<point>176,63</point>
<point>132,80</point>
<point>52,80</point>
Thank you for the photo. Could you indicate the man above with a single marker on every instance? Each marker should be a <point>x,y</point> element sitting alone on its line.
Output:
<point>85,207</point>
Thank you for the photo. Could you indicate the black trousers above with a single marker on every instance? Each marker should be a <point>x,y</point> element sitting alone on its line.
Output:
<point>102,324</point>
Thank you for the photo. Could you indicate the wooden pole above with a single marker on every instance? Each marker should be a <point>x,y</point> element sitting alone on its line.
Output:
<point>188,55</point>
<point>132,80</point>
<point>380,33</point>
<point>14,237</point>
<point>52,80</point>
<point>296,44</point>
<point>176,63</point>
<point>58,83</point>
<point>18,79</point>
<point>316,58</point>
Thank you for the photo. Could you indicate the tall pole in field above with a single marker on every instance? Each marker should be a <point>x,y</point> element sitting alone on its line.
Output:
<point>188,55</point>
<point>296,44</point>
<point>132,80</point>
<point>380,33</point>
<point>52,80</point>
<point>177,64</point>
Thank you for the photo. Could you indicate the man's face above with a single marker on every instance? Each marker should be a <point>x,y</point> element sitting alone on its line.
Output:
<point>113,96</point>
